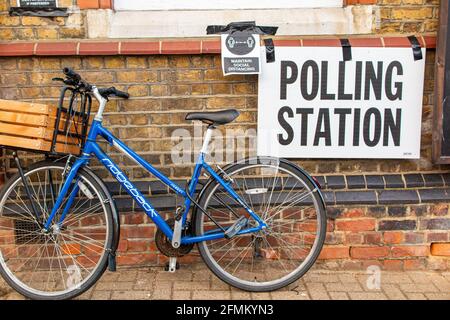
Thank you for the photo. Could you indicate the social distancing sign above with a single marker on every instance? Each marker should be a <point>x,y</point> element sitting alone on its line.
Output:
<point>241,53</point>
<point>311,104</point>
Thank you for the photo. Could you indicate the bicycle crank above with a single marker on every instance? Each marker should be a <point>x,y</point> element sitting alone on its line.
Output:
<point>164,245</point>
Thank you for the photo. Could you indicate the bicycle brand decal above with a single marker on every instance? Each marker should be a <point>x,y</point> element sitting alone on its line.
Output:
<point>120,176</point>
<point>129,156</point>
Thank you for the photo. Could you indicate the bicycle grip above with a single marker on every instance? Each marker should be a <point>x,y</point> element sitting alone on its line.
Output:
<point>121,94</point>
<point>71,74</point>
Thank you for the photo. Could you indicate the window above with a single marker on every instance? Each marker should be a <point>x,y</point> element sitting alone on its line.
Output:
<point>221,4</point>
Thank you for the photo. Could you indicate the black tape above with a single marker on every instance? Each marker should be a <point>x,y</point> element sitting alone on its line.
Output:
<point>249,26</point>
<point>346,50</point>
<point>417,49</point>
<point>270,50</point>
<point>38,12</point>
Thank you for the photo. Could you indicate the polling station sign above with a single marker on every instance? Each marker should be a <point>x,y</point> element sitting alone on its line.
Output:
<point>312,104</point>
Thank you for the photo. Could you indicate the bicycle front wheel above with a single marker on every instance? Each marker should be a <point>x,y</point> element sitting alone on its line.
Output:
<point>288,201</point>
<point>67,259</point>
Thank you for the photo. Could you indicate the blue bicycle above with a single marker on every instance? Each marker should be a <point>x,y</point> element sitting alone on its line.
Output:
<point>259,223</point>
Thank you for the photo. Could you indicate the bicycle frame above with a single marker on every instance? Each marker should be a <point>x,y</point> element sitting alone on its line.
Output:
<point>92,148</point>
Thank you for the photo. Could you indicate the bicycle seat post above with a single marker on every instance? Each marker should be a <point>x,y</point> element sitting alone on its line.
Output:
<point>207,139</point>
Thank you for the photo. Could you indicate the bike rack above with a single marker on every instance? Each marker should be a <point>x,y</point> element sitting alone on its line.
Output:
<point>83,114</point>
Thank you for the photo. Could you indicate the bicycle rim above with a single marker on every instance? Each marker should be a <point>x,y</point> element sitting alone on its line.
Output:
<point>274,257</point>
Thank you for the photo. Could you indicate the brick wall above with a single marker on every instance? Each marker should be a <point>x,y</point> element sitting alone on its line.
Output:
<point>164,87</point>
<point>407,16</point>
<point>42,28</point>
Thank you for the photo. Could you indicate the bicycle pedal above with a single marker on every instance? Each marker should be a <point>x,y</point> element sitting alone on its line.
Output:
<point>236,227</point>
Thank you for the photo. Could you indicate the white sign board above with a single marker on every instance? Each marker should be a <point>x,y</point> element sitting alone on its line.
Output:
<point>241,53</point>
<point>311,104</point>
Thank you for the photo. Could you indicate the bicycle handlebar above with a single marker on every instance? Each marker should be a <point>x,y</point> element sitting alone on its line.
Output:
<point>72,74</point>
<point>74,79</point>
<point>112,91</point>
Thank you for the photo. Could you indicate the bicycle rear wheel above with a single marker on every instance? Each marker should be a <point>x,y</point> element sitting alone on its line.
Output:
<point>70,257</point>
<point>288,201</point>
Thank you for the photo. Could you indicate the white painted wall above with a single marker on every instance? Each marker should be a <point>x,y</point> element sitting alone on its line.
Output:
<point>193,23</point>
<point>221,4</point>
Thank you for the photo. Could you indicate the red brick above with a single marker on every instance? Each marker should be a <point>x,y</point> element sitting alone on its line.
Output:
<point>354,238</point>
<point>440,249</point>
<point>211,46</point>
<point>99,48</point>
<point>287,43</point>
<point>335,253</point>
<point>105,4</point>
<point>397,42</point>
<point>430,41</point>
<point>351,265</point>
<point>147,47</point>
<point>414,264</point>
<point>133,218</point>
<point>369,263</point>
<point>369,252</point>
<point>123,245</point>
<point>353,213</point>
<point>88,4</point>
<point>437,237</point>
<point>136,259</point>
<point>372,238</point>
<point>138,245</point>
<point>181,47</point>
<point>410,251</point>
<point>138,231</point>
<point>393,237</point>
<point>16,49</point>
<point>321,42</point>
<point>365,42</point>
<point>356,225</point>
<point>393,264</point>
<point>56,48</point>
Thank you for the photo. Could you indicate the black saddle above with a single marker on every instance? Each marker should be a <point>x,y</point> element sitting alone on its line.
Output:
<point>214,118</point>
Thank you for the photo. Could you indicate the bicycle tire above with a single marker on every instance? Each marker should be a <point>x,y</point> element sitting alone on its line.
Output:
<point>109,241</point>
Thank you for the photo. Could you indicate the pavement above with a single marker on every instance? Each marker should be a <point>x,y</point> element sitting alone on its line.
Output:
<point>195,281</point>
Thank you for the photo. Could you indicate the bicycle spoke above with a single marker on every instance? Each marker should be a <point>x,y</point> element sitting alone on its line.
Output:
<point>277,252</point>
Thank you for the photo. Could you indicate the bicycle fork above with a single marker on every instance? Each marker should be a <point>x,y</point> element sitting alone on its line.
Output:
<point>64,191</point>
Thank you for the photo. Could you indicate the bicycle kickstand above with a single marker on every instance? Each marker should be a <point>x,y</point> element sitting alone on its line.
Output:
<point>172,265</point>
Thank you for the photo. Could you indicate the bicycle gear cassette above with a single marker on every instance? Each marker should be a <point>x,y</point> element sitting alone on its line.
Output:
<point>164,245</point>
